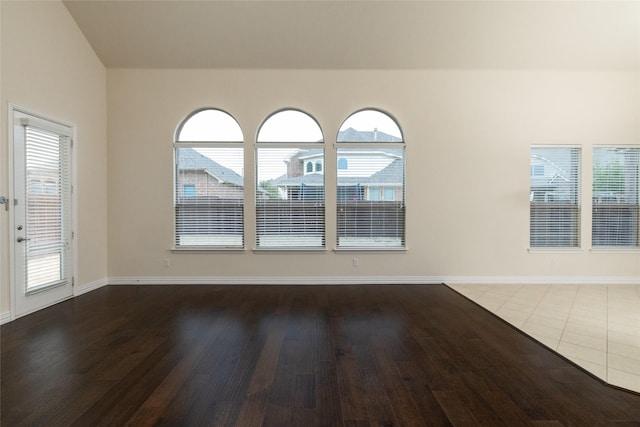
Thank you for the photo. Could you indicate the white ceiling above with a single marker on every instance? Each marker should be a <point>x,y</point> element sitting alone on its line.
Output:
<point>361,34</point>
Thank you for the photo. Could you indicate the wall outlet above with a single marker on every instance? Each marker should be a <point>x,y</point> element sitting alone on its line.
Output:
<point>356,262</point>
<point>166,262</point>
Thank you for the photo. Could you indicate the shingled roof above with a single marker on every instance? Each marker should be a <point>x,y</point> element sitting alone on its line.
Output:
<point>190,159</point>
<point>352,135</point>
<point>314,179</point>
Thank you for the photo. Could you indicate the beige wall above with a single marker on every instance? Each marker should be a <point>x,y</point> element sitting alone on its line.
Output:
<point>468,136</point>
<point>49,68</point>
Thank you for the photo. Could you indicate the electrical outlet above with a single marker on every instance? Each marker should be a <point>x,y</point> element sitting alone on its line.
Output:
<point>166,262</point>
<point>356,262</point>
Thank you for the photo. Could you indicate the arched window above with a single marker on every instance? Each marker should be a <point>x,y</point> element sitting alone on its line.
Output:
<point>318,166</point>
<point>209,181</point>
<point>371,182</point>
<point>289,202</point>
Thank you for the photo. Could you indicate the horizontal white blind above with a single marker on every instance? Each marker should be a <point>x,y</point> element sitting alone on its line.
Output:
<point>615,216</point>
<point>48,208</point>
<point>290,197</point>
<point>554,197</point>
<point>371,198</point>
<point>209,196</point>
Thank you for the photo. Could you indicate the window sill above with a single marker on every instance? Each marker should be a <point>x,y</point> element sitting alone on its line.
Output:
<point>292,249</point>
<point>615,249</point>
<point>553,250</point>
<point>370,249</point>
<point>206,249</point>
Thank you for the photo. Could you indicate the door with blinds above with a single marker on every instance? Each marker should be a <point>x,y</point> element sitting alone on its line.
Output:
<point>42,235</point>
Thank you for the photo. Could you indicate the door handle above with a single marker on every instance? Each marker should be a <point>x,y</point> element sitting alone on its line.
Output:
<point>21,239</point>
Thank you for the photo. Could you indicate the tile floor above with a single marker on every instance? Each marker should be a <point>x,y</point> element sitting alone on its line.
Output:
<point>595,326</point>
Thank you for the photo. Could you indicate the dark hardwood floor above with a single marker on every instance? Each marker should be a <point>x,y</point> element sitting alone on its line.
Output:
<point>289,356</point>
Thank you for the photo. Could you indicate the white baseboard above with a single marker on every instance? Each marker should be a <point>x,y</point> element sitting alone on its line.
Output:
<point>231,280</point>
<point>371,280</point>
<point>5,317</point>
<point>92,286</point>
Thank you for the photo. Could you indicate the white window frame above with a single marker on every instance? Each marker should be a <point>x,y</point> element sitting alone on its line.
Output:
<point>275,231</point>
<point>547,210</point>
<point>235,208</point>
<point>380,211</point>
<point>610,226</point>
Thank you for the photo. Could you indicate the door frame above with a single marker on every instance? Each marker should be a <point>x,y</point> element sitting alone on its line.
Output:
<point>12,108</point>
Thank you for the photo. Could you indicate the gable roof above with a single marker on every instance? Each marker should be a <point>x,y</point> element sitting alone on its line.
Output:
<point>548,181</point>
<point>352,135</point>
<point>392,174</point>
<point>190,159</point>
<point>314,179</point>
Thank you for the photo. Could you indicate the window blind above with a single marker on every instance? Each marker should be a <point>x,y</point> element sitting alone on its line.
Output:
<point>290,209</point>
<point>209,181</point>
<point>554,197</point>
<point>48,208</point>
<point>370,182</point>
<point>209,197</point>
<point>615,197</point>
<point>370,198</point>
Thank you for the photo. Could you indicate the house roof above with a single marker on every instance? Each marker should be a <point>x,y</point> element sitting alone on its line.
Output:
<point>549,181</point>
<point>190,159</point>
<point>352,135</point>
<point>311,179</point>
<point>393,174</point>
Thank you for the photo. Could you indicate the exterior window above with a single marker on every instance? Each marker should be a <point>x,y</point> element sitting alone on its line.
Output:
<point>369,214</point>
<point>615,216</point>
<point>209,181</point>
<point>289,194</point>
<point>374,194</point>
<point>555,197</point>
<point>537,170</point>
<point>35,186</point>
<point>189,190</point>
<point>318,166</point>
<point>50,187</point>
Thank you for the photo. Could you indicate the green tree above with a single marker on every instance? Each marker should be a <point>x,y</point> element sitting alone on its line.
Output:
<point>269,188</point>
<point>608,178</point>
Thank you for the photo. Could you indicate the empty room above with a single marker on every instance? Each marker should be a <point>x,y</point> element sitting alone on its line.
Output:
<point>319,213</point>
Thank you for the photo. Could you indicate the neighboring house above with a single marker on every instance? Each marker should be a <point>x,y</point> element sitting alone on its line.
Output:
<point>199,176</point>
<point>363,174</point>
<point>550,182</point>
<point>204,189</point>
